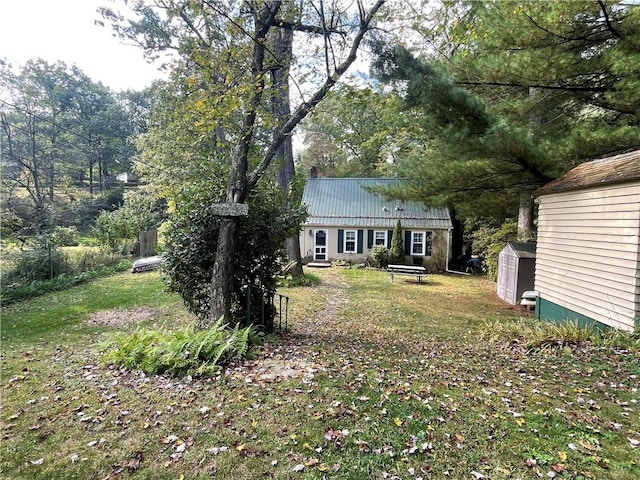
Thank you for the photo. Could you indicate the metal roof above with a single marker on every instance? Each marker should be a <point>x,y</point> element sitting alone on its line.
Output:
<point>605,171</point>
<point>522,250</point>
<point>346,201</point>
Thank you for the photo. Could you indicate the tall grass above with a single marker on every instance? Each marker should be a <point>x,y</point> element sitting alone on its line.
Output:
<point>535,335</point>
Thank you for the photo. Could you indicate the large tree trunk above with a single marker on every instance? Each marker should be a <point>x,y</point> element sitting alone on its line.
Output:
<point>283,47</point>
<point>221,279</point>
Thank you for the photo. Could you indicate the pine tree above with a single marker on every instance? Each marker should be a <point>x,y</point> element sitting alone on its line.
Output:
<point>396,255</point>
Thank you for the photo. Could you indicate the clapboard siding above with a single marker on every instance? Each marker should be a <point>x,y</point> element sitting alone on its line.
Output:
<point>588,253</point>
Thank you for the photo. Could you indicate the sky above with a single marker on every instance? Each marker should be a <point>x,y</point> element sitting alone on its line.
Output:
<point>65,30</point>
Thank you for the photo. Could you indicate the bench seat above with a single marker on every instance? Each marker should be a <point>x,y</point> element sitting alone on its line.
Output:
<point>408,271</point>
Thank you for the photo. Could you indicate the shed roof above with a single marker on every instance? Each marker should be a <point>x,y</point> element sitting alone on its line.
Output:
<point>347,201</point>
<point>522,250</point>
<point>618,169</point>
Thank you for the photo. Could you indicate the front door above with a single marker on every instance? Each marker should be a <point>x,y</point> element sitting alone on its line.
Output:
<point>320,245</point>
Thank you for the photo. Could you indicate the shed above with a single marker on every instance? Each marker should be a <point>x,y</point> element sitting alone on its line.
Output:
<point>588,244</point>
<point>516,271</point>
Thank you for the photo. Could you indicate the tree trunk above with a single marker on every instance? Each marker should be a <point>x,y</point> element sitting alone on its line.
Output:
<point>221,278</point>
<point>525,217</point>
<point>281,105</point>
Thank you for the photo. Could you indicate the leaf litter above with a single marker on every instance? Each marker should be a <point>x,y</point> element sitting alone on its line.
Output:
<point>392,406</point>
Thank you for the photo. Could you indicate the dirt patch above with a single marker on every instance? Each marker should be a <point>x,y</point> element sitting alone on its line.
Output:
<point>120,317</point>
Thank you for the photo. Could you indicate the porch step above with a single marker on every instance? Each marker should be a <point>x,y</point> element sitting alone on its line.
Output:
<point>318,264</point>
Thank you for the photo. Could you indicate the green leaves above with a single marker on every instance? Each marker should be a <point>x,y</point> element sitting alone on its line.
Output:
<point>183,352</point>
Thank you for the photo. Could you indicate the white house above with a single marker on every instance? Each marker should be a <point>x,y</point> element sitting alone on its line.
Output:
<point>588,246</point>
<point>347,219</point>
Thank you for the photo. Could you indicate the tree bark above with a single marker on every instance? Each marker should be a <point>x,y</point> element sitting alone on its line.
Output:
<point>282,40</point>
<point>221,283</point>
<point>525,217</point>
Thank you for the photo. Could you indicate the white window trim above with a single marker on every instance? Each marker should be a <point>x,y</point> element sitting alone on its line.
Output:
<point>355,241</point>
<point>384,241</point>
<point>423,236</point>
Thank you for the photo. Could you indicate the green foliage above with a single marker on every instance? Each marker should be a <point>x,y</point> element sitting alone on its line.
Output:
<point>535,335</point>
<point>489,241</point>
<point>354,133</point>
<point>307,280</point>
<point>380,255</point>
<point>183,352</point>
<point>39,259</point>
<point>17,291</point>
<point>119,229</point>
<point>191,240</point>
<point>497,113</point>
<point>396,254</point>
<point>65,236</point>
<point>116,230</point>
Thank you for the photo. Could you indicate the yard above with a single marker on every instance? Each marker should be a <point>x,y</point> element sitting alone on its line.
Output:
<point>375,380</point>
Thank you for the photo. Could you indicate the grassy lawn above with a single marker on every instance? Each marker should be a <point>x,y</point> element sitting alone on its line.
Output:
<point>375,380</point>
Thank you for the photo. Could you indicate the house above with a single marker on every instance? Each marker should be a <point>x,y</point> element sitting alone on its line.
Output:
<point>516,271</point>
<point>588,246</point>
<point>346,220</point>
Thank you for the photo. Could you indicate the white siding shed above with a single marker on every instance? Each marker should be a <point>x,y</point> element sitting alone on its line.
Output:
<point>516,266</point>
<point>588,247</point>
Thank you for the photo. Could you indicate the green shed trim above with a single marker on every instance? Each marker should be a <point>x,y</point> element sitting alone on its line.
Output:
<point>552,312</point>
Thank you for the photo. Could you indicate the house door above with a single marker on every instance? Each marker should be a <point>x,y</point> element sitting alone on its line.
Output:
<point>320,245</point>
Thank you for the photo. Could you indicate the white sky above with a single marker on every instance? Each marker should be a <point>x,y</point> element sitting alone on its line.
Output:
<point>65,30</point>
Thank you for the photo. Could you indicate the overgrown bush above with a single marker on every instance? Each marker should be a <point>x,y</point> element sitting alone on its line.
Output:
<point>184,352</point>
<point>39,259</point>
<point>119,229</point>
<point>65,236</point>
<point>488,242</point>
<point>191,240</point>
<point>40,266</point>
<point>534,335</point>
<point>380,255</point>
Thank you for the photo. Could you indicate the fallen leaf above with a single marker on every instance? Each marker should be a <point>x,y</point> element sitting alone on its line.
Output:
<point>298,468</point>
<point>39,461</point>
<point>398,421</point>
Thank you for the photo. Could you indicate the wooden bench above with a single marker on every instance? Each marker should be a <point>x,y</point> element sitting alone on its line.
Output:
<point>408,271</point>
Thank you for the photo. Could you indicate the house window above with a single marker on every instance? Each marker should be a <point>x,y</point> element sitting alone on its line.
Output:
<point>421,243</point>
<point>417,243</point>
<point>349,241</point>
<point>380,238</point>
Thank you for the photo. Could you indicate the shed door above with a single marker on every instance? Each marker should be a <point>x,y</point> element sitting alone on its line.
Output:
<point>511,279</point>
<point>320,245</point>
<point>507,279</point>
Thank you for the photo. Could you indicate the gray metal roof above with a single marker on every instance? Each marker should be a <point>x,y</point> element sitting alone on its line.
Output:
<point>346,201</point>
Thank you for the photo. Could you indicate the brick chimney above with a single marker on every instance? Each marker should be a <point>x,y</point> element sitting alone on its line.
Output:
<point>313,173</point>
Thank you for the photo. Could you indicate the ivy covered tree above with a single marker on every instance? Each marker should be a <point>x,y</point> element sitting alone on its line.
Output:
<point>190,248</point>
<point>225,62</point>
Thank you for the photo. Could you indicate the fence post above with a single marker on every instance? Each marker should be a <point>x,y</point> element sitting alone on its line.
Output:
<point>248,316</point>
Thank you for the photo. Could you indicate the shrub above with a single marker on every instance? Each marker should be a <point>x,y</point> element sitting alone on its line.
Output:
<point>184,352</point>
<point>534,335</point>
<point>65,236</point>
<point>396,255</point>
<point>39,260</point>
<point>488,242</point>
<point>380,255</point>
<point>191,238</point>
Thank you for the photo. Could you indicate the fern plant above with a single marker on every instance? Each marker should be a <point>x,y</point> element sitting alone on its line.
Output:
<point>183,352</point>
